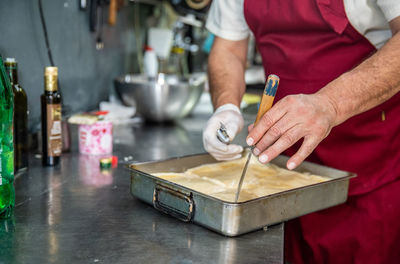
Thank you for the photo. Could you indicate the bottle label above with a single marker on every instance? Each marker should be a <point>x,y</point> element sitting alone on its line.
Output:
<point>6,166</point>
<point>54,142</point>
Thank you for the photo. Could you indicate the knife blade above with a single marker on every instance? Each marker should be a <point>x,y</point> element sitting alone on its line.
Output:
<point>242,176</point>
<point>267,99</point>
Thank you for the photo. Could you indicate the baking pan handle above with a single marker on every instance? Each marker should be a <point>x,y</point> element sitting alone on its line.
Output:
<point>173,202</point>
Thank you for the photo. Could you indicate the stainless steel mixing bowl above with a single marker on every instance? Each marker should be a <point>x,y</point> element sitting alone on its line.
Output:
<point>165,98</point>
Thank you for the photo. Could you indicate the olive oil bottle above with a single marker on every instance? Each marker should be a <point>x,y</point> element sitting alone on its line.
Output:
<point>20,118</point>
<point>51,119</point>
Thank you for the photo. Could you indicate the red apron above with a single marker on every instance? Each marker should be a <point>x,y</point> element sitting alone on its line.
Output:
<point>308,43</point>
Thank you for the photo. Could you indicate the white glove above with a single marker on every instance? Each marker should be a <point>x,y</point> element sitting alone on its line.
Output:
<point>232,118</point>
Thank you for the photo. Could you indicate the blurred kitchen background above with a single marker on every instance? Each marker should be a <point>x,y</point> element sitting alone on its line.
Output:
<point>91,51</point>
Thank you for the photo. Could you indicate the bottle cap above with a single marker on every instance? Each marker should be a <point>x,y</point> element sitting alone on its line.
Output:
<point>50,79</point>
<point>11,60</point>
<point>50,71</point>
<point>10,63</point>
<point>114,161</point>
<point>105,163</point>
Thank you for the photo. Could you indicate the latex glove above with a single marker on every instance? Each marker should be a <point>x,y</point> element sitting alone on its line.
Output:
<point>232,118</point>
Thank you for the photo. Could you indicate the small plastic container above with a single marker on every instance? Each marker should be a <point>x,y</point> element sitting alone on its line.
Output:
<point>96,139</point>
<point>150,62</point>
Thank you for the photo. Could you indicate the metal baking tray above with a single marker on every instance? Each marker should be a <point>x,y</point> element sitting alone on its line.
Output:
<point>230,218</point>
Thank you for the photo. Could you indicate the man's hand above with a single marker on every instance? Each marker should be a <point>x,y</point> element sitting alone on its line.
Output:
<point>231,117</point>
<point>292,118</point>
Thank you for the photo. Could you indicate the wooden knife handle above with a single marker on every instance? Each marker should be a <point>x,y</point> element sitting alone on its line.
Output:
<point>271,86</point>
<point>112,12</point>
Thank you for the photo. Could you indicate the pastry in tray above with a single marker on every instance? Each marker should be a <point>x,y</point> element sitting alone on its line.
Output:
<point>220,180</point>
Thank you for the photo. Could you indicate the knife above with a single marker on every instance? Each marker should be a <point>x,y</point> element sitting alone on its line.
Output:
<point>266,102</point>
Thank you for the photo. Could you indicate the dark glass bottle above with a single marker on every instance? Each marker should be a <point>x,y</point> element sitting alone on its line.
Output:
<point>20,118</point>
<point>51,119</point>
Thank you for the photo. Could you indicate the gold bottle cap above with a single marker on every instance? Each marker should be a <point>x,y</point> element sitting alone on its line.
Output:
<point>50,79</point>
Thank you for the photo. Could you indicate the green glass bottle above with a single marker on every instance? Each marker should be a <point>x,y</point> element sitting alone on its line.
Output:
<point>7,194</point>
<point>7,240</point>
<point>20,118</point>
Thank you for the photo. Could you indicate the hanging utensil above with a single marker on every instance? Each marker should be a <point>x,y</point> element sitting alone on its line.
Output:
<point>112,12</point>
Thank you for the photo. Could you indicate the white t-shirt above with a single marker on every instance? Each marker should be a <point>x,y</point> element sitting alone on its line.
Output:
<point>369,17</point>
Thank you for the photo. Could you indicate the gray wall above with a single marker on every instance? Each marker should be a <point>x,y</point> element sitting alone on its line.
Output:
<point>85,73</point>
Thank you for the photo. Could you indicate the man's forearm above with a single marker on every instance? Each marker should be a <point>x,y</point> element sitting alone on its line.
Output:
<point>371,83</point>
<point>226,66</point>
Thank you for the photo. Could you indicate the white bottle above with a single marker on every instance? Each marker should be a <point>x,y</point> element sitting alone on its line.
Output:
<point>150,62</point>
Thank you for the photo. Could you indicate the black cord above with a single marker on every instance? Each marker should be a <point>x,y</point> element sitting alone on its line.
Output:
<point>65,108</point>
<point>46,37</point>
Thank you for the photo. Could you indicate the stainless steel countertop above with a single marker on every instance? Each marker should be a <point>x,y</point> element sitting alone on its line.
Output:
<point>75,214</point>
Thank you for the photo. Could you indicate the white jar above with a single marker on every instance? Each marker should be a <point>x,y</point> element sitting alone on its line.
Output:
<point>150,62</point>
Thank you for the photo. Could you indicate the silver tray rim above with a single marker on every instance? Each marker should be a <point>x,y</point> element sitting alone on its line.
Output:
<point>189,190</point>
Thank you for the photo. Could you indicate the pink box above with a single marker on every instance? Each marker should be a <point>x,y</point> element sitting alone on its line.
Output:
<point>96,139</point>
